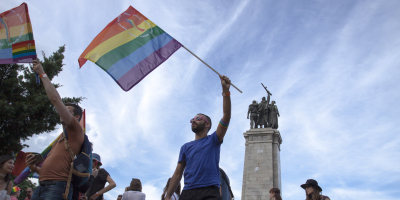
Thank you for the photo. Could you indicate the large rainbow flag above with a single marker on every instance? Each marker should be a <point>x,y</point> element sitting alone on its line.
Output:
<point>129,48</point>
<point>16,37</point>
<point>26,172</point>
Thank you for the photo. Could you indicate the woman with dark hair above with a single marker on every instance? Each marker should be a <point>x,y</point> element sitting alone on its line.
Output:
<point>6,185</point>
<point>176,194</point>
<point>313,191</point>
<point>134,191</point>
<point>275,194</point>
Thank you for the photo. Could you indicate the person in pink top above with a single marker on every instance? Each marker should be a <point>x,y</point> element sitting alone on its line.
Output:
<point>16,191</point>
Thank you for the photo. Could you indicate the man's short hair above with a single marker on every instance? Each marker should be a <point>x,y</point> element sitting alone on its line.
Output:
<point>208,119</point>
<point>77,110</point>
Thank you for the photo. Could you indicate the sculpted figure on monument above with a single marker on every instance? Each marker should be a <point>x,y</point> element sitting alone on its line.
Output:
<point>263,112</point>
<point>253,111</point>
<point>273,115</point>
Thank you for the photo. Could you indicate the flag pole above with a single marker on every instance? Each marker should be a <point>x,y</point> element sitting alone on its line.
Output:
<point>209,66</point>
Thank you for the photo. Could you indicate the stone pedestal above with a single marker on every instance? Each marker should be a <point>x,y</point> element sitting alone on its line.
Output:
<point>262,169</point>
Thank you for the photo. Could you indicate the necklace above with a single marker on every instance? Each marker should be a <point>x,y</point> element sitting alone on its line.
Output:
<point>2,175</point>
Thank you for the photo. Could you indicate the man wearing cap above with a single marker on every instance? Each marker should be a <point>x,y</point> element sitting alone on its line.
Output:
<point>97,190</point>
<point>16,191</point>
<point>54,173</point>
<point>313,190</point>
<point>199,159</point>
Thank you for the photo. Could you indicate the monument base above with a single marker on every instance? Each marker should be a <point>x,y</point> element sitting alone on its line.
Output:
<point>261,170</point>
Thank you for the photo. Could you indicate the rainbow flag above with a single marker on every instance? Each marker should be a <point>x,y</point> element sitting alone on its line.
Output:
<point>16,36</point>
<point>26,172</point>
<point>129,48</point>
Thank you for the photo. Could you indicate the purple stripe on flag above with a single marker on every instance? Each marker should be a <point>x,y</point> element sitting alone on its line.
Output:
<point>25,59</point>
<point>6,61</point>
<point>142,69</point>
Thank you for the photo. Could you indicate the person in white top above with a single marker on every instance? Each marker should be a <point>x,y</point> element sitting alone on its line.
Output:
<point>134,191</point>
<point>175,195</point>
<point>6,185</point>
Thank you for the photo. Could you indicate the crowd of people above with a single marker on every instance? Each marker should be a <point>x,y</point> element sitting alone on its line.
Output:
<point>198,162</point>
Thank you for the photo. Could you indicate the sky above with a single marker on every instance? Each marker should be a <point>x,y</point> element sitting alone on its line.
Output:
<point>332,67</point>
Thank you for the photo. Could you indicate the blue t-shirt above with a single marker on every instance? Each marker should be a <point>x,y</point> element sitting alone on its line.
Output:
<point>202,162</point>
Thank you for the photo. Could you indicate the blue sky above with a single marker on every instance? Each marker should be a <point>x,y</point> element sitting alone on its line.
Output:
<point>332,67</point>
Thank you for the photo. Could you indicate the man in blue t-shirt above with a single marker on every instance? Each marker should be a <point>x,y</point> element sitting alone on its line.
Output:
<point>199,159</point>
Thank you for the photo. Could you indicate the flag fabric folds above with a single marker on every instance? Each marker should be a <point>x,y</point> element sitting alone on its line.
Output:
<point>19,163</point>
<point>129,48</point>
<point>16,36</point>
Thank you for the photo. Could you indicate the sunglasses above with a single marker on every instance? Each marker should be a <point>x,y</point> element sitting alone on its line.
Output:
<point>198,119</point>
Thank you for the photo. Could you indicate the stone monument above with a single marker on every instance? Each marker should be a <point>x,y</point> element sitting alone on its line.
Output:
<point>262,166</point>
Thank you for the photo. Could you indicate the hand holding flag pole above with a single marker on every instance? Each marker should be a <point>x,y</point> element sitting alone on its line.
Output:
<point>209,67</point>
<point>37,75</point>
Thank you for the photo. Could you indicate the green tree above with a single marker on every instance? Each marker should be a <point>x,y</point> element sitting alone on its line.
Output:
<point>25,109</point>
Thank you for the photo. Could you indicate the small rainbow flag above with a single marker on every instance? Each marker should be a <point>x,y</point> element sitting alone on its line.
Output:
<point>129,48</point>
<point>16,36</point>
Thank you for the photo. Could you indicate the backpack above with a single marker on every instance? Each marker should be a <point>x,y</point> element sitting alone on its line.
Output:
<point>81,166</point>
<point>225,177</point>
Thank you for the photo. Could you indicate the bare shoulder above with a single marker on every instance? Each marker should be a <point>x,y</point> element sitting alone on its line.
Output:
<point>9,187</point>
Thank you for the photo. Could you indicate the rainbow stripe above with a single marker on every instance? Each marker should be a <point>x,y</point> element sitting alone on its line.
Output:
<point>15,36</point>
<point>223,124</point>
<point>129,48</point>
<point>15,189</point>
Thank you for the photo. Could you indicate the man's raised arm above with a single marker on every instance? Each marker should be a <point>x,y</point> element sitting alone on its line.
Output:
<point>52,93</point>
<point>223,124</point>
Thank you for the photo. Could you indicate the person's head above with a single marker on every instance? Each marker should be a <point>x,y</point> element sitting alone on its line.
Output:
<point>201,122</point>
<point>135,185</point>
<point>75,111</point>
<point>273,102</point>
<point>16,191</point>
<point>312,189</point>
<point>29,192</point>
<point>254,101</point>
<point>6,166</point>
<point>275,193</point>
<point>263,98</point>
<point>119,197</point>
<point>96,161</point>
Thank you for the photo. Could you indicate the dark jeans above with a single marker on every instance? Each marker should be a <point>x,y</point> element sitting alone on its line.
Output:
<point>205,193</point>
<point>51,190</point>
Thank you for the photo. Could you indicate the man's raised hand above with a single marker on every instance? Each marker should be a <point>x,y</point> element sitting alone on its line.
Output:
<point>37,67</point>
<point>226,83</point>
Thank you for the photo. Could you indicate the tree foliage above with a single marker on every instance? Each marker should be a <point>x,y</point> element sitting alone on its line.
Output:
<point>25,109</point>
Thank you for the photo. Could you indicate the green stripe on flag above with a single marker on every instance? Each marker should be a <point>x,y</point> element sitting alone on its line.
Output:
<point>4,42</point>
<point>113,56</point>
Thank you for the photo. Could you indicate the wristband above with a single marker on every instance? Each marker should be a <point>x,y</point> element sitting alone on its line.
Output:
<point>43,75</point>
<point>98,194</point>
<point>223,124</point>
<point>226,94</point>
